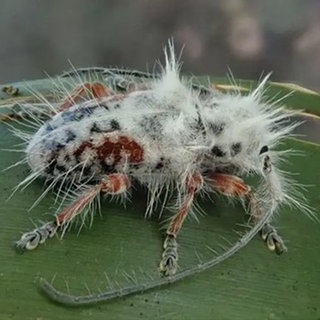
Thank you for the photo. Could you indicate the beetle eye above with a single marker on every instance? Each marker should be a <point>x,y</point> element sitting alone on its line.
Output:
<point>264,149</point>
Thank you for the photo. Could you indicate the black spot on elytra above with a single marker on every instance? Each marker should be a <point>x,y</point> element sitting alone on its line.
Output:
<point>104,106</point>
<point>77,114</point>
<point>217,151</point>
<point>115,125</point>
<point>264,149</point>
<point>160,164</point>
<point>87,171</point>
<point>135,166</point>
<point>95,128</point>
<point>69,116</point>
<point>66,158</point>
<point>151,125</point>
<point>51,166</point>
<point>49,128</point>
<point>60,168</point>
<point>70,136</point>
<point>236,148</point>
<point>217,128</point>
<point>53,145</point>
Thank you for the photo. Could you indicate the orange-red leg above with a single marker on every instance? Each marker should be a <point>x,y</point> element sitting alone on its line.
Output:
<point>169,262</point>
<point>228,185</point>
<point>234,186</point>
<point>86,91</point>
<point>113,184</point>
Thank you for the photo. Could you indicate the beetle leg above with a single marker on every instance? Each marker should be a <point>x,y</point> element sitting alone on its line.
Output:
<point>234,186</point>
<point>84,92</point>
<point>113,184</point>
<point>169,262</point>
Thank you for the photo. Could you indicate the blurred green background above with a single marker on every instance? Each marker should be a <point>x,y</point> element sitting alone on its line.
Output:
<point>250,37</point>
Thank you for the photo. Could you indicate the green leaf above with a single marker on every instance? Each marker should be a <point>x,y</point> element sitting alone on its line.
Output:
<point>254,284</point>
<point>292,95</point>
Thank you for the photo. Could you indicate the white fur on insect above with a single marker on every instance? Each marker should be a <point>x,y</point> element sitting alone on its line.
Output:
<point>170,122</point>
<point>164,134</point>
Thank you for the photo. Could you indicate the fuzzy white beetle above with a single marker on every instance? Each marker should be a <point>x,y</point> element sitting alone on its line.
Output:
<point>165,134</point>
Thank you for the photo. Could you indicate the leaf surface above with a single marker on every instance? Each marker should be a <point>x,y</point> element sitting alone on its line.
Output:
<point>253,284</point>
